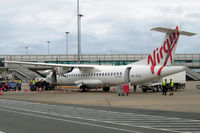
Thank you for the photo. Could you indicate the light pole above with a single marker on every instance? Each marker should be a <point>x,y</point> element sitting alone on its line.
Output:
<point>48,42</point>
<point>26,50</point>
<point>79,31</point>
<point>67,38</point>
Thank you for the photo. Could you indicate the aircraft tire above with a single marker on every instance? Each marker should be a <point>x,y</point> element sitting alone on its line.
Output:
<point>83,88</point>
<point>144,90</point>
<point>106,89</point>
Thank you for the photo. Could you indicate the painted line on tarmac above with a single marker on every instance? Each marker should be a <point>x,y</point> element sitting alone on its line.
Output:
<point>96,119</point>
<point>71,121</point>
<point>105,111</point>
<point>81,118</point>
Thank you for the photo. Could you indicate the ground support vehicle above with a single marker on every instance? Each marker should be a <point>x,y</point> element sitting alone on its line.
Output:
<point>179,80</point>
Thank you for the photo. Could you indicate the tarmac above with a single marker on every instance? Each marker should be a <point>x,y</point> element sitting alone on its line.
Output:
<point>186,100</point>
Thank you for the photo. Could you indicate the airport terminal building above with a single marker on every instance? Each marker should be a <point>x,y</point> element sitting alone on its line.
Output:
<point>191,61</point>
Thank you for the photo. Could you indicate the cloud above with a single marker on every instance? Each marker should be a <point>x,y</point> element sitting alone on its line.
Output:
<point>112,26</point>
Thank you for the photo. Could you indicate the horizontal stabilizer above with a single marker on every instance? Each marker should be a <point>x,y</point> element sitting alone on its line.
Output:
<point>168,31</point>
<point>187,33</point>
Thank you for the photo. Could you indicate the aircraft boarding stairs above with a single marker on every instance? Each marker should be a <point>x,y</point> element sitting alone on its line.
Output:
<point>189,72</point>
<point>192,74</point>
<point>23,73</point>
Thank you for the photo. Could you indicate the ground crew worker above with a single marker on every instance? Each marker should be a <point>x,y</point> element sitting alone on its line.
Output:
<point>30,83</point>
<point>33,82</point>
<point>171,87</point>
<point>33,85</point>
<point>19,84</point>
<point>164,87</point>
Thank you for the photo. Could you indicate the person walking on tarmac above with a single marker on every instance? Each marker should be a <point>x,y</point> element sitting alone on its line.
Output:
<point>164,87</point>
<point>171,85</point>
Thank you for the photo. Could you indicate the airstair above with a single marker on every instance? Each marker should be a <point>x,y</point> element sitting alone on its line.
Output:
<point>23,73</point>
<point>192,74</point>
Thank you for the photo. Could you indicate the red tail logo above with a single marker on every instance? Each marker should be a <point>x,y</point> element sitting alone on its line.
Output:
<point>167,48</point>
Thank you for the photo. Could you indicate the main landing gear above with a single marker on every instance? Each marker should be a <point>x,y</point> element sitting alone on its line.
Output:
<point>106,89</point>
<point>83,88</point>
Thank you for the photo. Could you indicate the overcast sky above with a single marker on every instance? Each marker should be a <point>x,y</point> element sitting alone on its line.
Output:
<point>108,26</point>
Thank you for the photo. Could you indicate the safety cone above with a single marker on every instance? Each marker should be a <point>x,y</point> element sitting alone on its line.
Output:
<point>63,90</point>
<point>34,92</point>
<point>1,93</point>
<point>70,91</point>
<point>40,90</point>
<point>114,88</point>
<point>52,92</point>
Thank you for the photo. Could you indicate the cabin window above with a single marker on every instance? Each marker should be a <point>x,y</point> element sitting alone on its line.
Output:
<point>108,74</point>
<point>96,74</point>
<point>99,74</point>
<point>102,74</point>
<point>111,73</point>
<point>105,74</point>
<point>120,73</point>
<point>114,73</point>
<point>117,73</point>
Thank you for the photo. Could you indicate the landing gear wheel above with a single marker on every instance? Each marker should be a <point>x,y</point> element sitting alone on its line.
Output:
<point>106,89</point>
<point>83,88</point>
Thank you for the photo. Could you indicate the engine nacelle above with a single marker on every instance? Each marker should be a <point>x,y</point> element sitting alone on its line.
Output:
<point>46,72</point>
<point>63,70</point>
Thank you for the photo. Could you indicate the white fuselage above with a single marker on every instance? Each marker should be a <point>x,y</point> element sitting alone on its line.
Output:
<point>114,75</point>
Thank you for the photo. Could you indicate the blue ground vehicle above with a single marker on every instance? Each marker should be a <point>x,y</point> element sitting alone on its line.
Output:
<point>12,86</point>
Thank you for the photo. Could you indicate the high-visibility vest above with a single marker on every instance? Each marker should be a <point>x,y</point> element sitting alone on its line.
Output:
<point>33,82</point>
<point>172,84</point>
<point>164,83</point>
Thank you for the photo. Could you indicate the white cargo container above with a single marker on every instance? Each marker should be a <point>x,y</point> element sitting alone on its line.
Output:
<point>179,80</point>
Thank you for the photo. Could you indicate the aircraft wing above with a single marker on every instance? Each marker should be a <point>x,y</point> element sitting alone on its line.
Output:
<point>65,66</point>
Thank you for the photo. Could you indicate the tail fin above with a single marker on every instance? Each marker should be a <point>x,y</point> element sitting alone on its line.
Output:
<point>164,54</point>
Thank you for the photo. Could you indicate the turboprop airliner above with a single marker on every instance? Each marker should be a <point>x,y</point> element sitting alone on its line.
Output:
<point>156,65</point>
